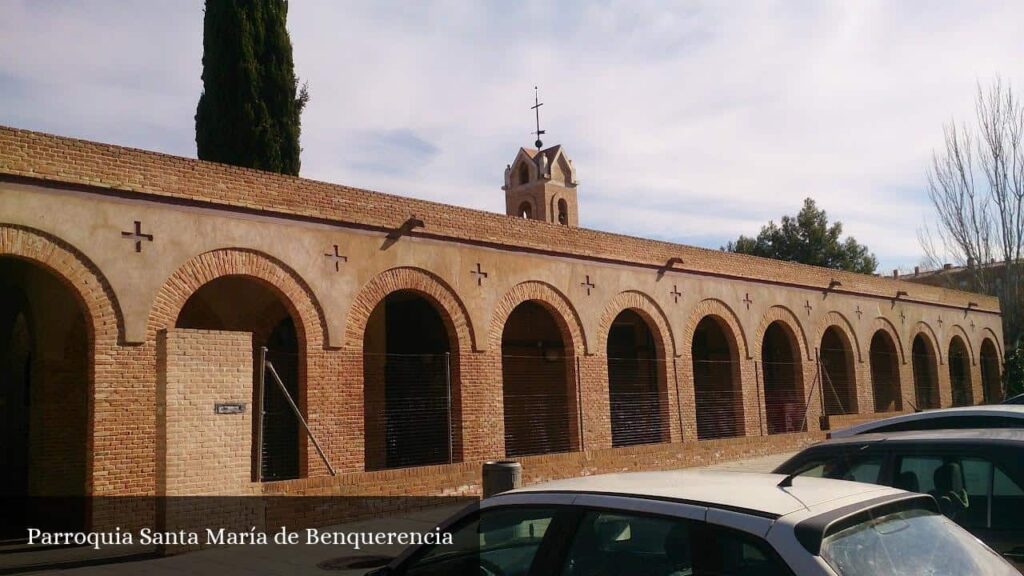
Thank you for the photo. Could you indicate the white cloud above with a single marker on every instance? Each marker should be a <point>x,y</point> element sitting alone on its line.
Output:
<point>690,121</point>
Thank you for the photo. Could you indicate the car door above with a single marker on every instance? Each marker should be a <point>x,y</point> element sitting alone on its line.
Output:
<point>980,488</point>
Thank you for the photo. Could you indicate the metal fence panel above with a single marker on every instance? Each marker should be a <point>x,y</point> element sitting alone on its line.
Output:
<point>639,414</point>
<point>784,394</point>
<point>280,434</point>
<point>536,392</point>
<point>409,396</point>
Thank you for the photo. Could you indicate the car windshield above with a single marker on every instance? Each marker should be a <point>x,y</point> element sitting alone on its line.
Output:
<point>917,542</point>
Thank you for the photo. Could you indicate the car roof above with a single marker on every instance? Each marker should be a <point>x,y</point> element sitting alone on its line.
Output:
<point>959,435</point>
<point>994,410</point>
<point>756,493</point>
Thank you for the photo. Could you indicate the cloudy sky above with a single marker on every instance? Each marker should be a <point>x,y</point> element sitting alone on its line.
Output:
<point>687,121</point>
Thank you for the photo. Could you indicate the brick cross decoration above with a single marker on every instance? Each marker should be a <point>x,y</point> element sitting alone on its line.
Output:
<point>588,285</point>
<point>903,317</point>
<point>972,323</point>
<point>137,236</point>
<point>808,307</point>
<point>940,321</point>
<point>675,293</point>
<point>747,300</point>
<point>859,312</point>
<point>336,257</point>
<point>480,275</point>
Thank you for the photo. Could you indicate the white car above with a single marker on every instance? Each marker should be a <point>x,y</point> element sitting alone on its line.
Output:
<point>683,523</point>
<point>990,416</point>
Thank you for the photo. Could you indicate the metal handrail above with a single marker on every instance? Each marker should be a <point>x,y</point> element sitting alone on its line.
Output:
<point>298,415</point>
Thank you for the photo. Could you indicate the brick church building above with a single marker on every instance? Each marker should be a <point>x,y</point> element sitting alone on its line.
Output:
<point>140,294</point>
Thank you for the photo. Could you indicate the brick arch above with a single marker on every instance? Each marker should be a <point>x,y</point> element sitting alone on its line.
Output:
<point>75,271</point>
<point>933,340</point>
<point>882,323</point>
<point>715,307</point>
<point>958,330</point>
<point>648,309</point>
<point>782,314</point>
<point>98,303</point>
<point>563,311</point>
<point>989,334</point>
<point>837,319</point>
<point>295,294</point>
<point>424,283</point>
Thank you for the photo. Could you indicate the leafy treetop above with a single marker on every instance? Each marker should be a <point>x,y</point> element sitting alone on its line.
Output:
<point>809,239</point>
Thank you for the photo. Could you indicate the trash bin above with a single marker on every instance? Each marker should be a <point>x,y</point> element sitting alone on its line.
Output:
<point>501,476</point>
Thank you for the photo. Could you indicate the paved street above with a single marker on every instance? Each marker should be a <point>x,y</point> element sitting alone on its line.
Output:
<point>318,560</point>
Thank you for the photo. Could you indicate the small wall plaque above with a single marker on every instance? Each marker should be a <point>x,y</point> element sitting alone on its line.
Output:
<point>232,408</point>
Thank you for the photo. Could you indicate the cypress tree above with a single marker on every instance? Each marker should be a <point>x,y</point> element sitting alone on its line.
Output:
<point>248,113</point>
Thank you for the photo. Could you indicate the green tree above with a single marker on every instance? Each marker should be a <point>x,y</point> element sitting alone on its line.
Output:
<point>248,113</point>
<point>1013,370</point>
<point>808,238</point>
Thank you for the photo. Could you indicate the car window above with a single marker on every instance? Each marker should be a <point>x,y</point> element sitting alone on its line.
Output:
<point>865,470</point>
<point>1007,502</point>
<point>502,540</point>
<point>964,486</point>
<point>977,476</point>
<point>918,472</point>
<point>944,477</point>
<point>622,544</point>
<point>727,552</point>
<point>1002,485</point>
<point>844,466</point>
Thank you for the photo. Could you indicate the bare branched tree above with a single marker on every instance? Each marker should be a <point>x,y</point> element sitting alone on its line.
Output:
<point>976,184</point>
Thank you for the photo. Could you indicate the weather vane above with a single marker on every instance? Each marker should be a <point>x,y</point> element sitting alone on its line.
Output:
<point>536,108</point>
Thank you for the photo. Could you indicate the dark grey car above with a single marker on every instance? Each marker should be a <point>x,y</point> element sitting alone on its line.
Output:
<point>977,476</point>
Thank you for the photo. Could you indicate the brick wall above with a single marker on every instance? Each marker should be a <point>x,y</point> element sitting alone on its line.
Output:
<point>201,453</point>
<point>204,453</point>
<point>102,166</point>
<point>464,478</point>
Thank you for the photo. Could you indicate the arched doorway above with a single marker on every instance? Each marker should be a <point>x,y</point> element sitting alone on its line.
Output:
<point>45,371</point>
<point>718,394</point>
<point>991,382</point>
<point>537,383</point>
<point>407,375</point>
<point>926,380</point>
<point>885,373</point>
<point>245,304</point>
<point>636,382</point>
<point>839,388</point>
<point>783,379</point>
<point>960,372</point>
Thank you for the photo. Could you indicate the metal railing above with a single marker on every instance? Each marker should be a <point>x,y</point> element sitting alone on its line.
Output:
<point>277,445</point>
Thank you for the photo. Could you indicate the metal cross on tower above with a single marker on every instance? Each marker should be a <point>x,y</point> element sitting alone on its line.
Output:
<point>536,109</point>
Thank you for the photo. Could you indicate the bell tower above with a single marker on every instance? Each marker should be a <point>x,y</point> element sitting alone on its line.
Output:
<point>540,184</point>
